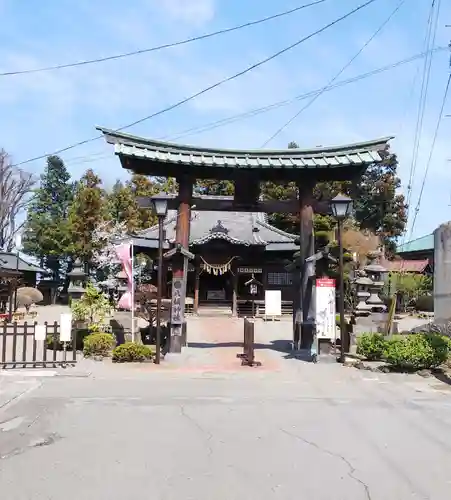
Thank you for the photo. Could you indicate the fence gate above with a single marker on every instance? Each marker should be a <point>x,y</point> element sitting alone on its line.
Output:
<point>20,349</point>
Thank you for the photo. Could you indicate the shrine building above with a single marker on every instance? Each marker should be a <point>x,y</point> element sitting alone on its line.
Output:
<point>230,248</point>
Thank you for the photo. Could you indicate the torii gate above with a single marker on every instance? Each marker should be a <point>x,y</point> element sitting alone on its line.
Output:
<point>246,169</point>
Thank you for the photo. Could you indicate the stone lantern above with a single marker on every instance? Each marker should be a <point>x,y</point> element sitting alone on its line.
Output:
<point>77,278</point>
<point>122,283</point>
<point>362,284</point>
<point>376,273</point>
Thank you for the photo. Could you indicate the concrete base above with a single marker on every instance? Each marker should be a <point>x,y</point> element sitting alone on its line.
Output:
<point>351,360</point>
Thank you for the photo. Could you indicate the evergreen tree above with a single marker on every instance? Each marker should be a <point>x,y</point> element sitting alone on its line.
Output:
<point>122,206</point>
<point>46,234</point>
<point>88,210</point>
<point>378,207</point>
<point>142,185</point>
<point>214,187</point>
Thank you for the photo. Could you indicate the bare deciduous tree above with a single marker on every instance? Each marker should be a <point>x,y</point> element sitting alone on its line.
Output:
<point>16,187</point>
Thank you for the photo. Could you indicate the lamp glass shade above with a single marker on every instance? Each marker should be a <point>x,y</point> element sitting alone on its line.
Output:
<point>341,206</point>
<point>160,204</point>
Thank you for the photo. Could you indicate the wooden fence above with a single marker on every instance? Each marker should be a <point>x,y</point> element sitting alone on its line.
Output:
<point>20,349</point>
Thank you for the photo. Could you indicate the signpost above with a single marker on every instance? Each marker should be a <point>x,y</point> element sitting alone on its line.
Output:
<point>325,309</point>
<point>66,331</point>
<point>39,332</point>
<point>273,304</point>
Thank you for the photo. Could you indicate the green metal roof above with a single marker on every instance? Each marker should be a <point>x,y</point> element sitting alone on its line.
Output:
<point>359,154</point>
<point>422,244</point>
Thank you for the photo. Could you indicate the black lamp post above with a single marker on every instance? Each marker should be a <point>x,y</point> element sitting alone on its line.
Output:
<point>160,205</point>
<point>341,207</point>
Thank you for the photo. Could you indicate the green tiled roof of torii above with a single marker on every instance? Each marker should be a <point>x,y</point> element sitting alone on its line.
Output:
<point>358,154</point>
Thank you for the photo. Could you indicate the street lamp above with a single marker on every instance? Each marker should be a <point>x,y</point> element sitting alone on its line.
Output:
<point>341,207</point>
<point>160,206</point>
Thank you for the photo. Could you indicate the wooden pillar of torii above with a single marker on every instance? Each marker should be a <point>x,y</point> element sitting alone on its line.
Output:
<point>304,315</point>
<point>180,264</point>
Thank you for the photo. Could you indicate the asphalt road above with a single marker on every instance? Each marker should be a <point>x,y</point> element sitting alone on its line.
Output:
<point>311,431</point>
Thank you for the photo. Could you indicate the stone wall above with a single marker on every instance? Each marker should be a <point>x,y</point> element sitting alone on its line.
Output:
<point>442,273</point>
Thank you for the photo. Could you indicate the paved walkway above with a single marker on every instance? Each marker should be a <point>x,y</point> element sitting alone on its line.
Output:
<point>213,343</point>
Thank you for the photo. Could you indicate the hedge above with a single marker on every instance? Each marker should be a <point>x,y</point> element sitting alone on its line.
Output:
<point>131,352</point>
<point>411,352</point>
<point>98,344</point>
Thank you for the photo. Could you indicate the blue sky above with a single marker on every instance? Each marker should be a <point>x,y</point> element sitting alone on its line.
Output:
<point>43,112</point>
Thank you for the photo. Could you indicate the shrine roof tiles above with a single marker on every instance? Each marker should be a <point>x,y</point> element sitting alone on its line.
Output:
<point>362,153</point>
<point>9,261</point>
<point>239,228</point>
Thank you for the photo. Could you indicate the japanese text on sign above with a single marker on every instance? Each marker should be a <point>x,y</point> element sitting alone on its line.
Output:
<point>325,308</point>
<point>178,302</point>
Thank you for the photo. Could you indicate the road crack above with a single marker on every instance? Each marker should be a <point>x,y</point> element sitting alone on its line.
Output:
<point>201,429</point>
<point>351,469</point>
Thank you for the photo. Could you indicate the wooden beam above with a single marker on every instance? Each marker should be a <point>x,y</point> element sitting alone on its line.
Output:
<point>228,205</point>
<point>247,189</point>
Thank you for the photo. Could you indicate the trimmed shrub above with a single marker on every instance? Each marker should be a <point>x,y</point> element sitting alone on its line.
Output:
<point>81,334</point>
<point>417,351</point>
<point>425,303</point>
<point>98,344</point>
<point>27,296</point>
<point>131,352</point>
<point>371,346</point>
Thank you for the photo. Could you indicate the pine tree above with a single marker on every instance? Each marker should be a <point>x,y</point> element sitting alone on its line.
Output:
<point>88,209</point>
<point>46,234</point>
<point>379,208</point>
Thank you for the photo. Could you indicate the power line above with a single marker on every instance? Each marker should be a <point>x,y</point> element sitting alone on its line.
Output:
<point>164,46</point>
<point>431,152</point>
<point>265,109</point>
<point>342,70</point>
<point>256,111</point>
<point>430,39</point>
<point>428,42</point>
<point>207,89</point>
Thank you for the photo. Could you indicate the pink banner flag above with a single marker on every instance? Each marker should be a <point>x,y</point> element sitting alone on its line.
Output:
<point>124,255</point>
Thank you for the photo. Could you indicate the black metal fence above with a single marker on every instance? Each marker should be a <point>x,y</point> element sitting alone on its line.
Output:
<point>20,349</point>
<point>248,355</point>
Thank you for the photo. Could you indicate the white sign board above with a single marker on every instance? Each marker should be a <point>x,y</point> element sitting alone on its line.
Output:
<point>39,332</point>
<point>65,327</point>
<point>250,270</point>
<point>325,308</point>
<point>273,303</point>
